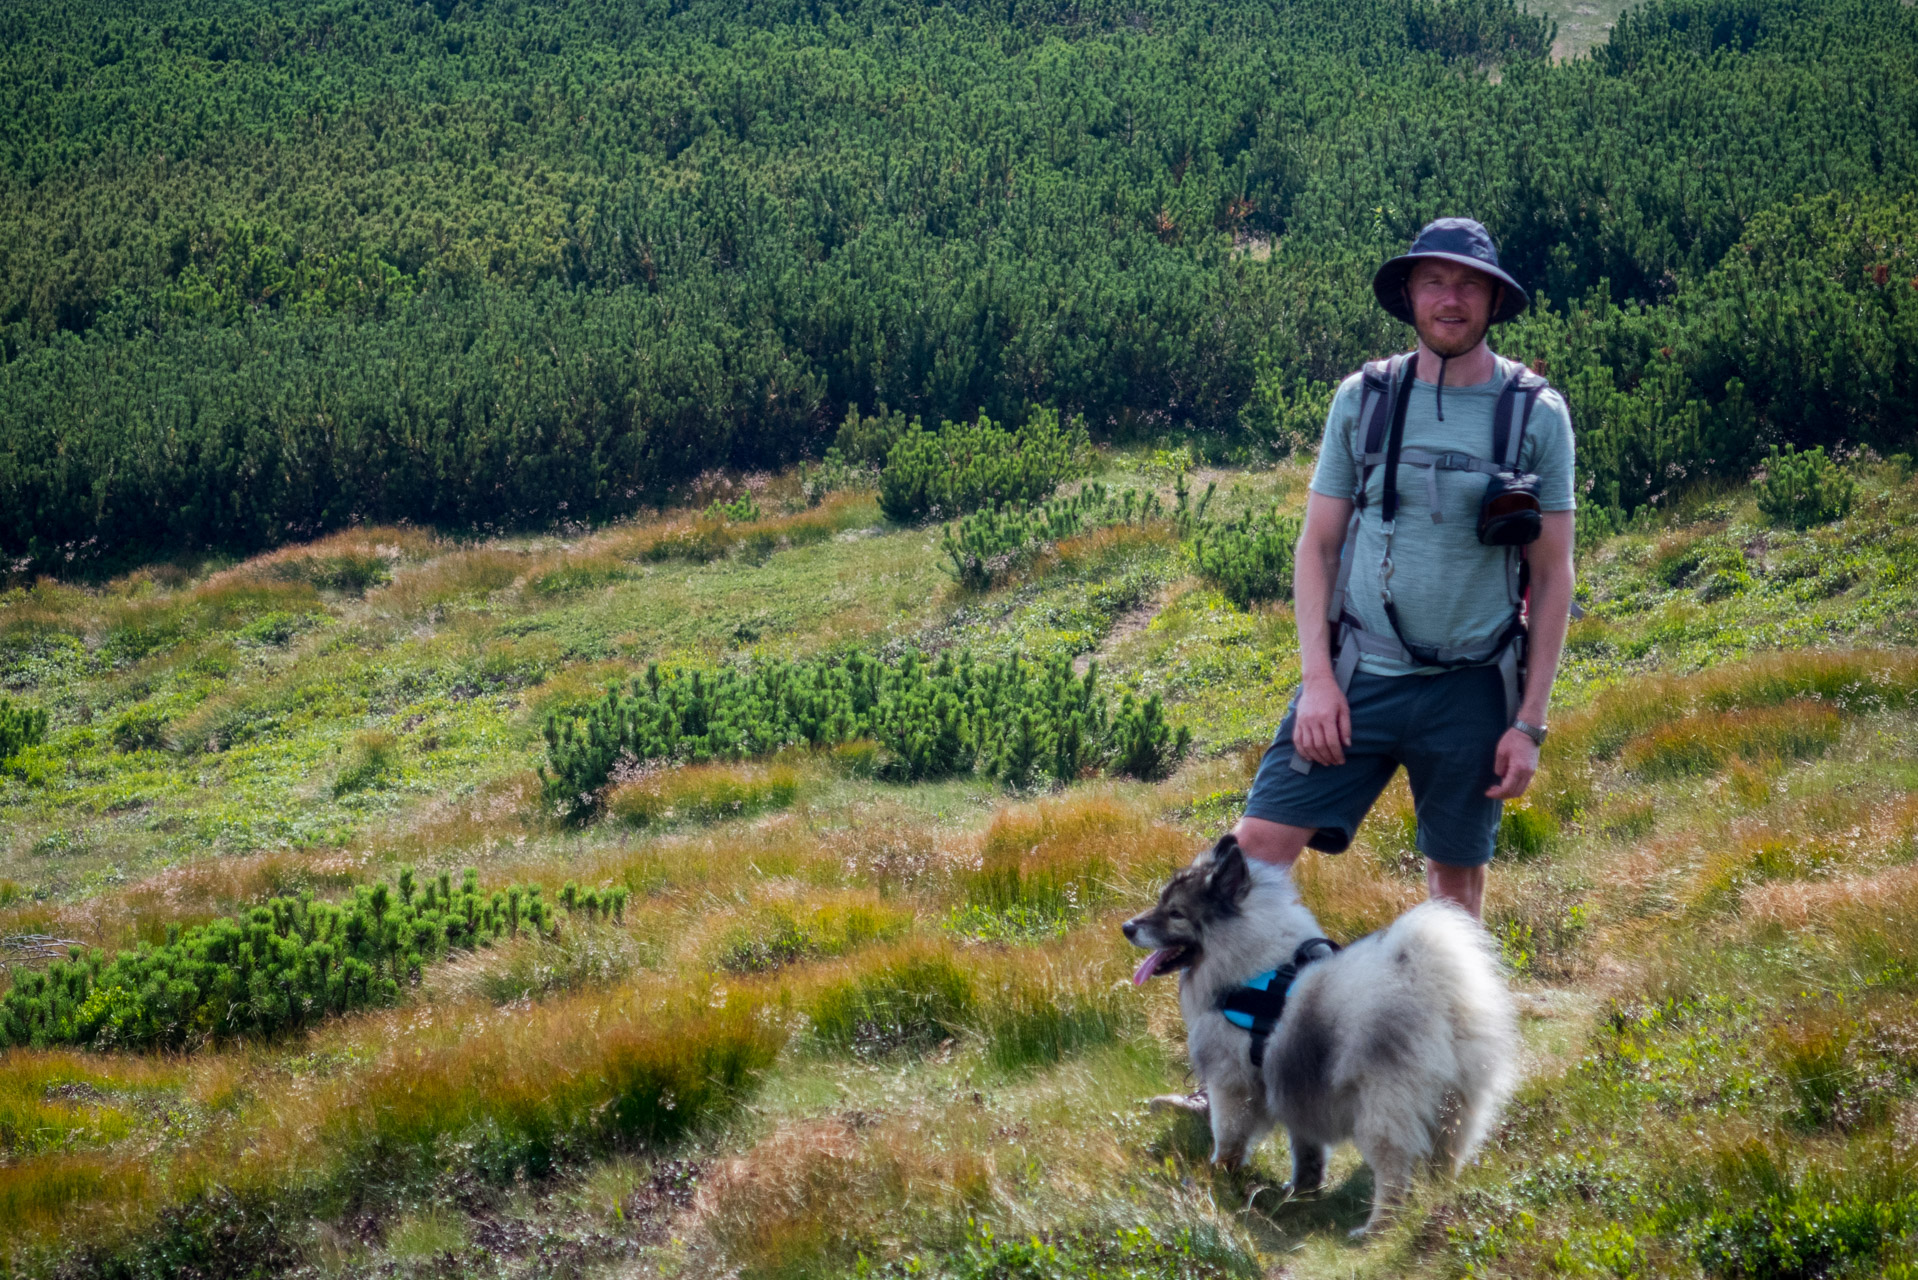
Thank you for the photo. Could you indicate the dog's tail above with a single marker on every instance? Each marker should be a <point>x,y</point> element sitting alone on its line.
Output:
<point>1459,969</point>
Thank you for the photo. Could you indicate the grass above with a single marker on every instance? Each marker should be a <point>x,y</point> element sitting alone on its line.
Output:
<point>703,793</point>
<point>850,1024</point>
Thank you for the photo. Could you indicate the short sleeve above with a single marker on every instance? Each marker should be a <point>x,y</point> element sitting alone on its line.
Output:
<point>1334,476</point>
<point>1550,445</point>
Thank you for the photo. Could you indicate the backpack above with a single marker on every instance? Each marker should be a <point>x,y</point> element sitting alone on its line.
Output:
<point>1508,516</point>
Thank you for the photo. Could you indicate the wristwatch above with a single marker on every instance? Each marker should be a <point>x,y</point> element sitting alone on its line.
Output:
<point>1536,732</point>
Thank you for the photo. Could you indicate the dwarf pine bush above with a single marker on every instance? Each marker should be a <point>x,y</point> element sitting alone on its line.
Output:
<point>994,542</point>
<point>965,465</point>
<point>282,966</point>
<point>1249,559</point>
<point>21,726</point>
<point>1016,721</point>
<point>1803,489</point>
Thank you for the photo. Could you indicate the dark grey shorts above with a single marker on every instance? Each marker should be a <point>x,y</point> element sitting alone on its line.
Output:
<point>1444,729</point>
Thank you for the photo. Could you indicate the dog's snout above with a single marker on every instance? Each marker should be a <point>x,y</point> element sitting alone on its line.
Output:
<point>1131,930</point>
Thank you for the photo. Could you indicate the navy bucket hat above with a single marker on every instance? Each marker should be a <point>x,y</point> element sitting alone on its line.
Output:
<point>1459,240</point>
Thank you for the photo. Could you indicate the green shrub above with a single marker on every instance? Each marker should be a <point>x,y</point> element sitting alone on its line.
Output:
<point>1183,1253</point>
<point>1249,559</point>
<point>21,726</point>
<point>276,627</point>
<point>965,465</point>
<point>139,729</point>
<point>1802,1235</point>
<point>1285,412</point>
<point>992,543</point>
<point>1013,720</point>
<point>865,442</point>
<point>741,510</point>
<point>783,934</point>
<point>1803,489</point>
<point>279,967</point>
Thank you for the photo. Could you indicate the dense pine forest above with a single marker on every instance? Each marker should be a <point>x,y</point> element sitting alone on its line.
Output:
<point>266,269</point>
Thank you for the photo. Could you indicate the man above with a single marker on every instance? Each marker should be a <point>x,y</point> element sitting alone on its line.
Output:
<point>1426,622</point>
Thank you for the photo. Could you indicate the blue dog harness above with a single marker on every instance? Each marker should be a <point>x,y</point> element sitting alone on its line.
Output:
<point>1257,1004</point>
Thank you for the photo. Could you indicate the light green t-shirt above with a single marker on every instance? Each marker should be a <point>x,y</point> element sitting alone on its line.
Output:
<point>1449,587</point>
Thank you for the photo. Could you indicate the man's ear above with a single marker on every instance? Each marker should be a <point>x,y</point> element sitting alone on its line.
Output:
<point>1227,878</point>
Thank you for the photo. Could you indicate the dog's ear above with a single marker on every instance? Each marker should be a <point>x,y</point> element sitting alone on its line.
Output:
<point>1227,877</point>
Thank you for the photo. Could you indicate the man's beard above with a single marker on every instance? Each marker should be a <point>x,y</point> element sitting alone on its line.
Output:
<point>1452,348</point>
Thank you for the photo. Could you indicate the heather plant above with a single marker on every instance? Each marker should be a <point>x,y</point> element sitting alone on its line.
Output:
<point>966,465</point>
<point>282,966</point>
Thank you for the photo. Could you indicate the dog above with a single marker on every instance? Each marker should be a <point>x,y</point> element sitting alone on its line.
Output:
<point>1404,1042</point>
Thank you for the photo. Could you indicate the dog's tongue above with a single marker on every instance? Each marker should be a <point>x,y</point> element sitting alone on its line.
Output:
<point>1149,966</point>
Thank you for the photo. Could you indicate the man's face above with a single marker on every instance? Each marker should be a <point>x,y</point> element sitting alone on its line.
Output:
<point>1451,305</point>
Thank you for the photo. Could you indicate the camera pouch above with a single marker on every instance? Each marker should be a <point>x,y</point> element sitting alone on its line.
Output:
<point>1509,514</point>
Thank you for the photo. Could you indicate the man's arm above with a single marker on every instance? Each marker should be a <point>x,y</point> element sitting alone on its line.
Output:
<point>1322,729</point>
<point>1550,559</point>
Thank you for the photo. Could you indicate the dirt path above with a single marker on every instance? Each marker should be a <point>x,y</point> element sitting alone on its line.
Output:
<point>1125,627</point>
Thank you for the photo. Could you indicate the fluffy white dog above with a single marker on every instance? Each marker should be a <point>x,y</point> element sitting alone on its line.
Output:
<point>1404,1042</point>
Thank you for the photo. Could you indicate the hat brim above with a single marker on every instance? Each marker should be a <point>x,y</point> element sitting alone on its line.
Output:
<point>1388,285</point>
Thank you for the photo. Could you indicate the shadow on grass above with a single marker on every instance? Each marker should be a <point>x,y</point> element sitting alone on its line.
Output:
<point>1276,1220</point>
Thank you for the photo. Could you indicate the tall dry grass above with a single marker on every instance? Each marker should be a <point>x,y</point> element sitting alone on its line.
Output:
<point>815,1195</point>
<point>703,793</point>
<point>350,560</point>
<point>473,572</point>
<point>188,894</point>
<point>783,927</point>
<point>53,1100</point>
<point>516,1089</point>
<point>1059,857</point>
<point>1852,682</point>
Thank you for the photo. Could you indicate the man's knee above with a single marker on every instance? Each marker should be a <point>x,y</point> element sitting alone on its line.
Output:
<point>1275,842</point>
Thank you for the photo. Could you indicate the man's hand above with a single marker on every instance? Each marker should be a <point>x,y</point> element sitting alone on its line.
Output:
<point>1515,763</point>
<point>1322,729</point>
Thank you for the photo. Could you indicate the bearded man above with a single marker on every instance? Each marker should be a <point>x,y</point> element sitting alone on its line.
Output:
<point>1433,581</point>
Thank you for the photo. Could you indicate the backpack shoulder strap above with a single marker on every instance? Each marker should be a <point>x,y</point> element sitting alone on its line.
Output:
<point>1521,392</point>
<point>1379,381</point>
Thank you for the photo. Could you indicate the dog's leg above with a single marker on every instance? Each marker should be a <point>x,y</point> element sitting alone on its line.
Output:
<point>1308,1164</point>
<point>1392,1168</point>
<point>1236,1126</point>
<point>1453,1137</point>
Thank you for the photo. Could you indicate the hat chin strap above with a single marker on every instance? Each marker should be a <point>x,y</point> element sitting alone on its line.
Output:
<point>1438,391</point>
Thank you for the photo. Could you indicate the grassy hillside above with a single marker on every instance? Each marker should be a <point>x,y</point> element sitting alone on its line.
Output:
<point>843,1025</point>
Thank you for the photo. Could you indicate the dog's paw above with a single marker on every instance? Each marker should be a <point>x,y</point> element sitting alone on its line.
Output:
<point>1195,1103</point>
<point>1293,1191</point>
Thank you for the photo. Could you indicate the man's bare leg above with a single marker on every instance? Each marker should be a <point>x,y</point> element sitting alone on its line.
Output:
<point>1273,842</point>
<point>1463,885</point>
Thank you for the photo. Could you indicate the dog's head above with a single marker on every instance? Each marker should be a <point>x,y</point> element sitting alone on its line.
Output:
<point>1208,891</point>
